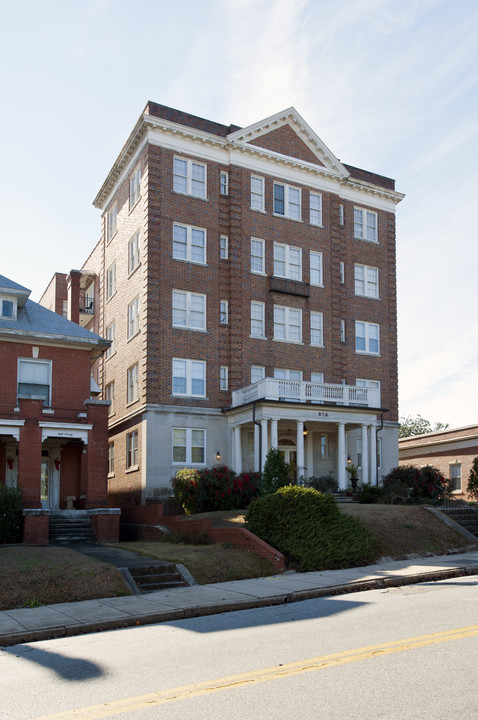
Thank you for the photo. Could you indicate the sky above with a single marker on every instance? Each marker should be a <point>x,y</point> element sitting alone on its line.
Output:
<point>388,86</point>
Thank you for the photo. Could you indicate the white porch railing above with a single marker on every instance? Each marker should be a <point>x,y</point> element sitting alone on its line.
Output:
<point>306,391</point>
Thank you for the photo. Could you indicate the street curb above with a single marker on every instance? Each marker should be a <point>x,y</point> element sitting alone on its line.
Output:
<point>51,633</point>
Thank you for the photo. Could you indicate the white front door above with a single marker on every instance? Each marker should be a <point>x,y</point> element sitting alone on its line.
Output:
<point>50,480</point>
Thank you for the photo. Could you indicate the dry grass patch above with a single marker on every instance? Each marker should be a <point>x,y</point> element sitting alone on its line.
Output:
<point>33,576</point>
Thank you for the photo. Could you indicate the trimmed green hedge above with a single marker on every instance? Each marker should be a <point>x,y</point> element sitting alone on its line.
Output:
<point>308,528</point>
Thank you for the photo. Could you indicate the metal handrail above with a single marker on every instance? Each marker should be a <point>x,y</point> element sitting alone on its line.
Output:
<point>450,502</point>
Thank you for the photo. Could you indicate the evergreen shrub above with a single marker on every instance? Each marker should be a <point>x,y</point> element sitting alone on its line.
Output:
<point>11,519</point>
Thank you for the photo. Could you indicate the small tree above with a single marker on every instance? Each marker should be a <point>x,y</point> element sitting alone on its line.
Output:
<point>472,487</point>
<point>276,473</point>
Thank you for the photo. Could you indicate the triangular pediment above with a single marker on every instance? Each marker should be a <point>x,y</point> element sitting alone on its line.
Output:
<point>287,134</point>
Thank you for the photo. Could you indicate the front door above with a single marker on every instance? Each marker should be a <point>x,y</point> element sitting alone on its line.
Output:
<point>50,480</point>
<point>288,451</point>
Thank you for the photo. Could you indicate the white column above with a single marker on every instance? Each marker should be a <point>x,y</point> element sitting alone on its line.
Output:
<point>237,449</point>
<point>309,450</point>
<point>265,443</point>
<point>341,460</point>
<point>300,448</point>
<point>274,434</point>
<point>257,460</point>
<point>373,454</point>
<point>365,474</point>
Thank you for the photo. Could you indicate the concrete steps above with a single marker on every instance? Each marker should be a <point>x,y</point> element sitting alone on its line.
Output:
<point>157,577</point>
<point>71,527</point>
<point>466,517</point>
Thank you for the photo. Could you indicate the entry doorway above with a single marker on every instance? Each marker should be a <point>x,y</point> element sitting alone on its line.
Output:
<point>288,450</point>
<point>50,480</point>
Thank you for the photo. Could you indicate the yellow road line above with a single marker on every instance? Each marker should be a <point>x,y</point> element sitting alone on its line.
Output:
<point>117,707</point>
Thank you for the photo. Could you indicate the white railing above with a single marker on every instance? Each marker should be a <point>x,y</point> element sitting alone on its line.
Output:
<point>306,391</point>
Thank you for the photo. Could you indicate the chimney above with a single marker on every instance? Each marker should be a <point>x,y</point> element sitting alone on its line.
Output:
<point>73,285</point>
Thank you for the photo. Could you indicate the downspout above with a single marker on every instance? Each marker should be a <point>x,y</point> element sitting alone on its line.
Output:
<point>376,446</point>
<point>256,422</point>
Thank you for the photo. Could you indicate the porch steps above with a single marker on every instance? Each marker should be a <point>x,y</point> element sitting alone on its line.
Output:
<point>157,577</point>
<point>71,527</point>
<point>466,517</point>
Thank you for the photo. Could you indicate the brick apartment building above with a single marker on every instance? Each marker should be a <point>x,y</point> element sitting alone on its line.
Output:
<point>246,278</point>
<point>53,427</point>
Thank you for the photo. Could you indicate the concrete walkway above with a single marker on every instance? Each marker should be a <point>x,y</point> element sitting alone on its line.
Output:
<point>62,619</point>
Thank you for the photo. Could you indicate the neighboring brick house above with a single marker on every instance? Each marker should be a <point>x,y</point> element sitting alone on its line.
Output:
<point>247,281</point>
<point>451,451</point>
<point>53,433</point>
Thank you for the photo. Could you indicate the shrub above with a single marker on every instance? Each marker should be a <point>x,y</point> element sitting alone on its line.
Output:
<point>216,488</point>
<point>425,482</point>
<point>370,494</point>
<point>309,529</point>
<point>472,487</point>
<point>188,490</point>
<point>276,473</point>
<point>325,483</point>
<point>247,487</point>
<point>10,514</point>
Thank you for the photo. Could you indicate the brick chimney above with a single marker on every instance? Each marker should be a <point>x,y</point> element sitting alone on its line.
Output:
<point>73,285</point>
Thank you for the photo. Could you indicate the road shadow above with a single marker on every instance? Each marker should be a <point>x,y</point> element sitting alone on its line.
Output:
<point>72,669</point>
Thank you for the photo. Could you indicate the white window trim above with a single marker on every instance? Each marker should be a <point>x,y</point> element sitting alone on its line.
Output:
<point>112,222</point>
<point>260,370</point>
<point>459,490</point>
<point>133,253</point>
<point>188,446</point>
<point>367,327</point>
<point>223,174</point>
<point>342,331</point>
<point>223,312</point>
<point>366,283</point>
<point>133,318</point>
<point>134,187</point>
<point>319,211</point>
<point>29,361</point>
<point>287,262</point>
<point>287,324</point>
<point>372,384</point>
<point>189,177</point>
<point>262,320</point>
<point>287,203</point>
<point>342,272</point>
<point>110,330</point>
<point>132,450</point>
<point>260,195</point>
<point>189,378</point>
<point>132,384</point>
<point>110,396</point>
<point>318,315</point>
<point>9,299</point>
<point>362,235</point>
<point>189,229</point>
<point>111,281</point>
<point>224,247</point>
<point>223,377</point>
<point>188,297</point>
<point>287,372</point>
<point>319,255</point>
<point>261,242</point>
<point>111,458</point>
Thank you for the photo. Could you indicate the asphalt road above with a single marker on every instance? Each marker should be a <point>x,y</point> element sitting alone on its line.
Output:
<point>408,652</point>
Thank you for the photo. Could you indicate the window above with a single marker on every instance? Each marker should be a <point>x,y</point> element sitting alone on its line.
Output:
<point>324,446</point>
<point>111,281</point>
<point>316,275</point>
<point>134,187</point>
<point>287,201</point>
<point>132,450</point>
<point>455,477</point>
<point>65,309</point>
<point>257,256</point>
<point>223,377</point>
<point>189,310</point>
<point>110,335</point>
<point>258,373</point>
<point>258,320</point>
<point>315,201</point>
<point>366,280</point>
<point>287,324</point>
<point>316,394</point>
<point>287,262</point>
<point>365,224</point>
<point>342,331</point>
<point>111,222</point>
<point>342,272</point>
<point>111,458</point>
<point>189,178</point>
<point>379,452</point>
<point>189,243</point>
<point>8,309</point>
<point>223,247</point>
<point>223,312</point>
<point>257,193</point>
<point>316,329</point>
<point>189,445</point>
<point>367,338</point>
<point>285,374</point>
<point>189,377</point>
<point>224,182</point>
<point>34,379</point>
<point>133,253</point>
<point>110,396</point>
<point>132,386</point>
<point>133,318</point>
<point>374,384</point>
<point>341,215</point>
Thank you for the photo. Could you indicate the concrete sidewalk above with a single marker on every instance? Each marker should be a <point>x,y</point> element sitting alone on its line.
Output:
<point>75,618</point>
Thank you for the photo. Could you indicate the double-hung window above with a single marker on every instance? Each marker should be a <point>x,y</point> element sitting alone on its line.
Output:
<point>34,379</point>
<point>257,256</point>
<point>366,280</point>
<point>132,450</point>
<point>287,201</point>
<point>132,384</point>
<point>133,317</point>
<point>224,182</point>
<point>223,312</point>
<point>110,397</point>
<point>111,458</point>
<point>111,281</point>
<point>257,193</point>
<point>316,271</point>
<point>223,377</point>
<point>316,329</point>
<point>133,253</point>
<point>189,243</point>
<point>8,308</point>
<point>258,329</point>
<point>189,177</point>
<point>367,338</point>
<point>287,324</point>
<point>134,187</point>
<point>110,335</point>
<point>315,209</point>
<point>111,222</point>
<point>258,373</point>
<point>189,377</point>
<point>223,247</point>
<point>287,261</point>
<point>189,446</point>
<point>455,476</point>
<point>365,224</point>
<point>189,310</point>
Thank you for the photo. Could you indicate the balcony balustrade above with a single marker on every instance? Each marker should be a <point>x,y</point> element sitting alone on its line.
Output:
<point>307,392</point>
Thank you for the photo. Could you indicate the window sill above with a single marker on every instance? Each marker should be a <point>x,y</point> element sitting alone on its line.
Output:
<point>133,468</point>
<point>287,217</point>
<point>370,354</point>
<point>183,327</point>
<point>258,272</point>
<point>316,225</point>
<point>190,262</point>
<point>132,402</point>
<point>133,207</point>
<point>108,240</point>
<point>110,297</point>
<point>260,210</point>
<point>190,195</point>
<point>188,397</point>
<point>110,475</point>
<point>289,342</point>
<point>374,242</point>
<point>257,337</point>
<point>132,272</point>
<point>369,297</point>
<point>131,337</point>
<point>317,346</point>
<point>108,357</point>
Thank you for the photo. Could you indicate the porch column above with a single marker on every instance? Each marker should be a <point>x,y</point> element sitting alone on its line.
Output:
<point>257,460</point>
<point>373,455</point>
<point>29,452</point>
<point>300,448</point>
<point>265,442</point>
<point>274,434</point>
<point>365,474</point>
<point>237,449</point>
<point>341,461</point>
